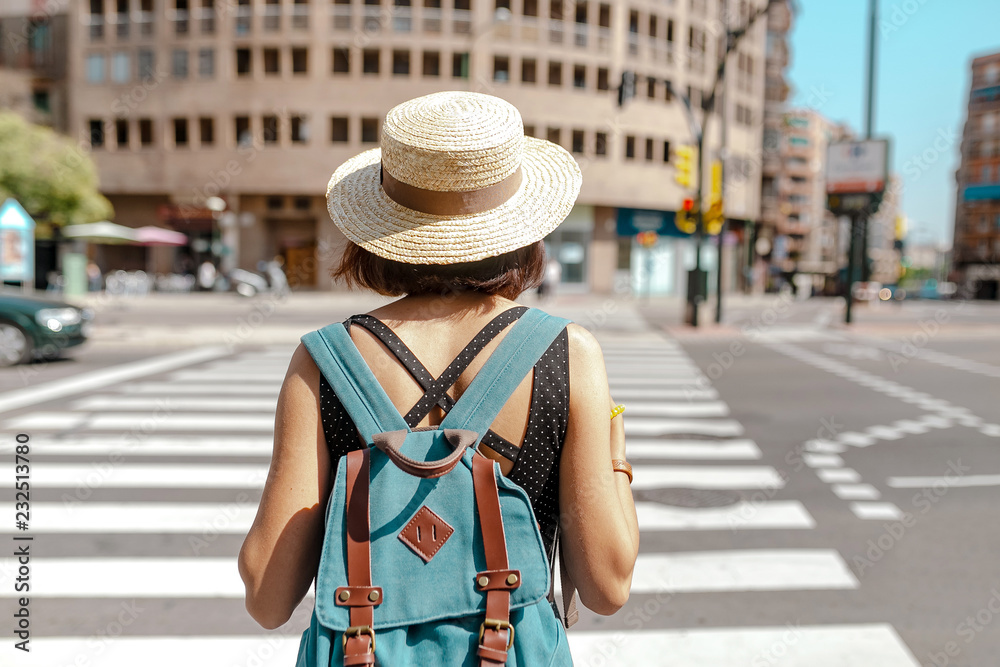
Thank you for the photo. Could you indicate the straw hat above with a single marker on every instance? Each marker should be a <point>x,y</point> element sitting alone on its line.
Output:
<point>455,180</point>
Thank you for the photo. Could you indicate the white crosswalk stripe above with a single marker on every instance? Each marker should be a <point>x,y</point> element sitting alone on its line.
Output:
<point>205,429</point>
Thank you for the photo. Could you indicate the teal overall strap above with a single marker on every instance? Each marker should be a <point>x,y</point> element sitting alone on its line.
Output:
<point>337,357</point>
<point>516,354</point>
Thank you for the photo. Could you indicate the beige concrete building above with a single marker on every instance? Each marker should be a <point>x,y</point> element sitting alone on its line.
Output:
<point>258,101</point>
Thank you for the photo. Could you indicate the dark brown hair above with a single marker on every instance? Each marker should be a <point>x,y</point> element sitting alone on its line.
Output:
<point>506,275</point>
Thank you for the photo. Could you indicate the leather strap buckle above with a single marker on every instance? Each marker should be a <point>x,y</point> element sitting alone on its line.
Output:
<point>358,630</point>
<point>494,624</point>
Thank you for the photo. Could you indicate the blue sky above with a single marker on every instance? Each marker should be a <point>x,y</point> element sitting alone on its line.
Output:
<point>922,86</point>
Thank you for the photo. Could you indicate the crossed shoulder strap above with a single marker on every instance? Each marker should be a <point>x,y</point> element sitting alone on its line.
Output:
<point>337,357</point>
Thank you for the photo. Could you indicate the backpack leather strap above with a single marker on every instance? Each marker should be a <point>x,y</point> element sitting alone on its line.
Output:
<point>496,634</point>
<point>359,639</point>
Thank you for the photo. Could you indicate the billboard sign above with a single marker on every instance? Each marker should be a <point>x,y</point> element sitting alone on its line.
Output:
<point>857,167</point>
<point>17,243</point>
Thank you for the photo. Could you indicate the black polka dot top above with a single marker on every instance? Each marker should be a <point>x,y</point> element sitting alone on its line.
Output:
<point>536,459</point>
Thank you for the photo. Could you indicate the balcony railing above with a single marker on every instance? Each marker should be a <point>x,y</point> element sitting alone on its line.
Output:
<point>96,27</point>
<point>243,20</point>
<point>633,43</point>
<point>181,19</point>
<point>121,25</point>
<point>529,28</point>
<point>603,39</point>
<point>300,17</point>
<point>206,20</point>
<point>341,17</point>
<point>371,19</point>
<point>402,19</point>
<point>581,33</point>
<point>272,17</point>
<point>431,20</point>
<point>557,31</point>
<point>461,22</point>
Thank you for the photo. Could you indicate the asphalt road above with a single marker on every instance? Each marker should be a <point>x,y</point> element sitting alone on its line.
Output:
<point>808,494</point>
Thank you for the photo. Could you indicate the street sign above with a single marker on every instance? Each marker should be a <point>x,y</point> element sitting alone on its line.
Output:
<point>857,167</point>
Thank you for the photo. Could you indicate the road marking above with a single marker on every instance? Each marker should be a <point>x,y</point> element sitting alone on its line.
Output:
<point>686,409</point>
<point>81,382</point>
<point>197,403</point>
<point>155,476</point>
<point>187,388</point>
<point>132,517</point>
<point>956,480</point>
<point>652,427</point>
<point>743,515</point>
<point>856,492</point>
<point>164,421</point>
<point>856,439</point>
<point>741,570</point>
<point>150,446</point>
<point>706,477</point>
<point>839,475</point>
<point>876,511</point>
<point>823,460</point>
<point>691,449</point>
<point>825,447</point>
<point>785,646</point>
<point>884,432</point>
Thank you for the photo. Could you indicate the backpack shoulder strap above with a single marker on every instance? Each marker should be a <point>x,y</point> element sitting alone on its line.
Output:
<point>516,354</point>
<point>340,362</point>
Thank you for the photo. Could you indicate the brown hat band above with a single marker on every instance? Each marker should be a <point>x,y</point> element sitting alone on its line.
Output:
<point>437,202</point>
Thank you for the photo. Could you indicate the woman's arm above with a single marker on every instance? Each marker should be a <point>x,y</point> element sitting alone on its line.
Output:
<point>600,531</point>
<point>280,555</point>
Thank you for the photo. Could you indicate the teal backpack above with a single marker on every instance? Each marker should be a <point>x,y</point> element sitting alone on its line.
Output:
<point>431,556</point>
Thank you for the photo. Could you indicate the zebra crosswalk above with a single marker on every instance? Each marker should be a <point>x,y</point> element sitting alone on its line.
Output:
<point>144,487</point>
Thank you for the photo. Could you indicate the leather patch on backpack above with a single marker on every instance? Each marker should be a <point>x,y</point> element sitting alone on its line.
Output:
<point>426,533</point>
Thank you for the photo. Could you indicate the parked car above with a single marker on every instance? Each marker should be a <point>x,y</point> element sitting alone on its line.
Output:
<point>33,327</point>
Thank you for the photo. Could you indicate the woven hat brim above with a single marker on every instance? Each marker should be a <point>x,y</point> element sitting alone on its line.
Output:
<point>550,183</point>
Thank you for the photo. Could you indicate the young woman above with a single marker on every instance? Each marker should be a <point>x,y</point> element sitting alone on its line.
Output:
<point>449,214</point>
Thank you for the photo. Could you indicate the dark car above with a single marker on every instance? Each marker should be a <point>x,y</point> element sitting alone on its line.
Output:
<point>32,327</point>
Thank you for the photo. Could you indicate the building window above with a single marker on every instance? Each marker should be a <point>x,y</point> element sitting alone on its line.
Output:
<point>95,68</point>
<point>300,129</point>
<point>302,203</point>
<point>121,67</point>
<point>401,63</point>
<point>96,20</point>
<point>243,135</point>
<point>666,151</point>
<point>300,60</point>
<point>146,63</point>
<point>651,88</point>
<point>460,65</point>
<point>300,15</point>
<point>529,67</point>
<point>670,33</point>
<point>342,60</point>
<point>181,17</point>
<point>501,69</point>
<point>272,61</point>
<point>339,130</point>
<point>432,16</point>
<point>243,62</point>
<point>579,76</point>
<point>180,132</point>
<point>604,16</point>
<point>553,134</point>
<point>145,18</point>
<point>668,90</point>
<point>121,133</point>
<point>145,132</point>
<point>529,130</point>
<point>206,131</point>
<point>432,63</point>
<point>649,150</point>
<point>629,148</point>
<point>270,129</point>
<point>179,63</point>
<point>369,130</point>
<point>602,79</point>
<point>272,15</point>
<point>530,8</point>
<point>244,16</point>
<point>206,63</point>
<point>40,100</point>
<point>96,133</point>
<point>555,74</point>
<point>369,61</point>
<point>207,19</point>
<point>601,143</point>
<point>275,203</point>
<point>578,142</point>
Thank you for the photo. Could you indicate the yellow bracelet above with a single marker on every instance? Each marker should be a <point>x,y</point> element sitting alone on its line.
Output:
<point>617,410</point>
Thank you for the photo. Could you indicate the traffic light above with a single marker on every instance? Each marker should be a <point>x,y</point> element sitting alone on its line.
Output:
<point>714,217</point>
<point>684,159</point>
<point>626,90</point>
<point>687,218</point>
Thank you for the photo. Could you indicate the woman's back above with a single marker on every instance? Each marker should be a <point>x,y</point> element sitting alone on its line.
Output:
<point>525,439</point>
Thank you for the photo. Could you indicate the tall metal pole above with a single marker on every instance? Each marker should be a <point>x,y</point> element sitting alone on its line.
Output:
<point>850,269</point>
<point>869,120</point>
<point>723,154</point>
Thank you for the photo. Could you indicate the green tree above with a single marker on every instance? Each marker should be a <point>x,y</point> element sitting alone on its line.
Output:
<point>51,177</point>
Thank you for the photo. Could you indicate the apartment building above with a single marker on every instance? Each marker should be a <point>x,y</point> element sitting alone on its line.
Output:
<point>256,102</point>
<point>976,244</point>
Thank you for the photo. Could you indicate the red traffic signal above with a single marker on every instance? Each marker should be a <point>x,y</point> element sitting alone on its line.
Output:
<point>688,205</point>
